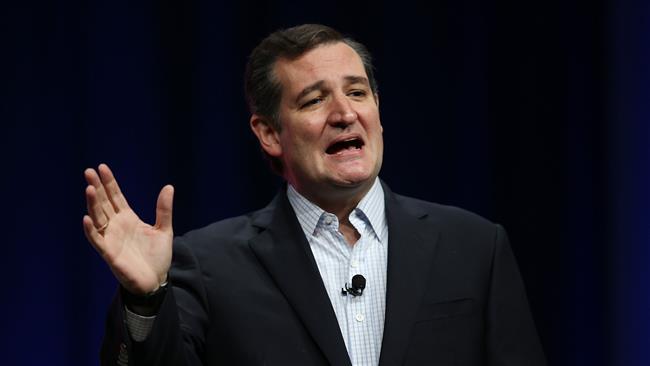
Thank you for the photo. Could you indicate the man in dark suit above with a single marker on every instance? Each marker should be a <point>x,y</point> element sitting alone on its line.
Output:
<point>441,286</point>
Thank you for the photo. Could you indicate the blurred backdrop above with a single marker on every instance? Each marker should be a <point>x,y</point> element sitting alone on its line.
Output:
<point>534,114</point>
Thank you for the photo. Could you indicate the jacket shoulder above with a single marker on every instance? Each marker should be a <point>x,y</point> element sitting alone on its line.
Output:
<point>234,229</point>
<point>449,216</point>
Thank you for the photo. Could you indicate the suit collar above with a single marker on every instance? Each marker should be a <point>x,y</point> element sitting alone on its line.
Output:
<point>284,251</point>
<point>411,247</point>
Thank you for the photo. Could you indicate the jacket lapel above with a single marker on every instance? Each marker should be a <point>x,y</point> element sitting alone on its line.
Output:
<point>411,246</point>
<point>284,251</point>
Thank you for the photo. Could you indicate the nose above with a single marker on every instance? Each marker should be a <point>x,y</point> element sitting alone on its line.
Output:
<point>342,114</point>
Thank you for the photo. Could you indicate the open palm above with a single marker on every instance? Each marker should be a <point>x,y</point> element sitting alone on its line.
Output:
<point>139,254</point>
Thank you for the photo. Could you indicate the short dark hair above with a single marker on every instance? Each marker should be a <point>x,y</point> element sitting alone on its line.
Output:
<point>263,91</point>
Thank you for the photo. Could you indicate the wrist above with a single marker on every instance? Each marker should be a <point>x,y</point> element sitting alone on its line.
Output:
<point>147,304</point>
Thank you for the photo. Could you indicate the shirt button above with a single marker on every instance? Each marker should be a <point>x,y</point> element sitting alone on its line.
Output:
<point>327,220</point>
<point>354,263</point>
<point>359,317</point>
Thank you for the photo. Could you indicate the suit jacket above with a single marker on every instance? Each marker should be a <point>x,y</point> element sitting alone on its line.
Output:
<point>247,291</point>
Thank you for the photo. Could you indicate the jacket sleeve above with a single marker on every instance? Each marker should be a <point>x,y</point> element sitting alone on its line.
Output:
<point>178,334</point>
<point>511,335</point>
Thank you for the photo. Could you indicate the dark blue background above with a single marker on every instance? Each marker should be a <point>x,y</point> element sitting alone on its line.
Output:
<point>534,114</point>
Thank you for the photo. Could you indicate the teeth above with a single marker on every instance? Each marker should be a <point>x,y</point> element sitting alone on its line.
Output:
<point>352,143</point>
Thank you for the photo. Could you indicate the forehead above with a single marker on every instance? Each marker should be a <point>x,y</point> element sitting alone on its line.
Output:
<point>331,63</point>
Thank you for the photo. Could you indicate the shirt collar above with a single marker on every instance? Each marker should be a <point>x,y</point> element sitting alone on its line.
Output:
<point>371,206</point>
<point>307,212</point>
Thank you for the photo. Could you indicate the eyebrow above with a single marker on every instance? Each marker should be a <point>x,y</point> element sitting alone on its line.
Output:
<point>315,86</point>
<point>357,80</point>
<point>319,85</point>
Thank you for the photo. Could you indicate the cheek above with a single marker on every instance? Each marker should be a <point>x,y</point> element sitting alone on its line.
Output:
<point>300,141</point>
<point>370,113</point>
<point>304,132</point>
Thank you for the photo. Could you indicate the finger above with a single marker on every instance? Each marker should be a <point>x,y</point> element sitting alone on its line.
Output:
<point>93,179</point>
<point>113,191</point>
<point>94,208</point>
<point>92,235</point>
<point>164,208</point>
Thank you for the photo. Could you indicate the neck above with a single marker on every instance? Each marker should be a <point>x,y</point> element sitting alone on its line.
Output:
<point>339,201</point>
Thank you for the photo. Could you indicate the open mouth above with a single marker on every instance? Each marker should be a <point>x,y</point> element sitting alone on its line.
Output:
<point>353,143</point>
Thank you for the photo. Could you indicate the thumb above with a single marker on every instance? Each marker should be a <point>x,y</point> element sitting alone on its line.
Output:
<point>164,208</point>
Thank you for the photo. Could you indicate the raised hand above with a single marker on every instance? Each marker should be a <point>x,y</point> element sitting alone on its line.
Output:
<point>138,254</point>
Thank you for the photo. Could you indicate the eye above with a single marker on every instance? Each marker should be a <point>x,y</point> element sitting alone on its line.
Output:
<point>311,102</point>
<point>357,93</point>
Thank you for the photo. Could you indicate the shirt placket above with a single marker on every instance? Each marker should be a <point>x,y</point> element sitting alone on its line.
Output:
<point>357,305</point>
<point>329,224</point>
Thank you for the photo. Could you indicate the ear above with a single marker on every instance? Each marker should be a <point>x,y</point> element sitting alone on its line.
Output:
<point>267,136</point>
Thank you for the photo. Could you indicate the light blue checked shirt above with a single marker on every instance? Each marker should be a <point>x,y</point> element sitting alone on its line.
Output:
<point>360,318</point>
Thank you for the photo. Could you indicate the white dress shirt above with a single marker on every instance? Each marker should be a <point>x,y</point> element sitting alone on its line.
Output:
<point>360,318</point>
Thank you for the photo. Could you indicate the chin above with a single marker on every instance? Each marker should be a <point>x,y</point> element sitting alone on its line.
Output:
<point>354,180</point>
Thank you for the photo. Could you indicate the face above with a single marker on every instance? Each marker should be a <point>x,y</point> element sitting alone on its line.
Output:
<point>331,139</point>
